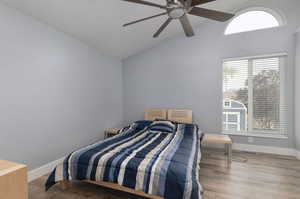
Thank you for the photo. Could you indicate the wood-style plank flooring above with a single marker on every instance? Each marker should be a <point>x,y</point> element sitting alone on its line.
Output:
<point>251,176</point>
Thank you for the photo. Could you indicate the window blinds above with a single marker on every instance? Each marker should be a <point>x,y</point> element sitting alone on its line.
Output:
<point>253,96</point>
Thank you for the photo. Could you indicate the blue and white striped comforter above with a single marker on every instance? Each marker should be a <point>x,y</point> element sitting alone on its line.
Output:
<point>157,163</point>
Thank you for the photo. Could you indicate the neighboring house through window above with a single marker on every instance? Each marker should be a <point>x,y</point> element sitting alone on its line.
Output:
<point>234,115</point>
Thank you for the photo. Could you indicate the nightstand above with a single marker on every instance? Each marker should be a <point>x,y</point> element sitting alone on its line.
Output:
<point>220,139</point>
<point>111,132</point>
<point>13,180</point>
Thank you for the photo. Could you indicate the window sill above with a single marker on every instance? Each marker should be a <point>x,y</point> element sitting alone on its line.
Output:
<point>256,135</point>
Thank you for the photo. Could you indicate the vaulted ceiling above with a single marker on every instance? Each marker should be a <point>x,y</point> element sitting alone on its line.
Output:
<point>99,22</point>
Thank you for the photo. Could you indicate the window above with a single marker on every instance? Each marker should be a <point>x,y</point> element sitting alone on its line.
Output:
<point>231,121</point>
<point>253,96</point>
<point>254,20</point>
<point>227,104</point>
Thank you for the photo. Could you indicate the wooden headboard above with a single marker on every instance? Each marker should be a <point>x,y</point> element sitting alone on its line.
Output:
<point>153,114</point>
<point>183,116</point>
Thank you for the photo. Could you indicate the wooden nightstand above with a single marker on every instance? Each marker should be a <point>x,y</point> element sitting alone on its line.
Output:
<point>111,132</point>
<point>220,139</point>
<point>13,180</point>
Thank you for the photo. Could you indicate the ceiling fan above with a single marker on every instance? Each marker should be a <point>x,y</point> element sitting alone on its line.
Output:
<point>178,9</point>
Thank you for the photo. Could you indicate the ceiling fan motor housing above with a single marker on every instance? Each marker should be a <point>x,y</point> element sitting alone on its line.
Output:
<point>176,10</point>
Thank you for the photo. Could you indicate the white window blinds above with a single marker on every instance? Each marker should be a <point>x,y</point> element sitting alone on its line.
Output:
<point>253,96</point>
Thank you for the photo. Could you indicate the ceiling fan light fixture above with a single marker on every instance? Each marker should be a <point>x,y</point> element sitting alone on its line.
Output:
<point>176,13</point>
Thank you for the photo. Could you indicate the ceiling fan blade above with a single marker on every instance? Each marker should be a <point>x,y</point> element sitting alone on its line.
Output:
<point>144,19</point>
<point>187,27</point>
<point>211,14</point>
<point>199,2</point>
<point>162,27</point>
<point>146,3</point>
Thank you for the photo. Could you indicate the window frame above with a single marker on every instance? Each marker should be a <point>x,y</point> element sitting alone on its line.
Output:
<point>277,14</point>
<point>260,133</point>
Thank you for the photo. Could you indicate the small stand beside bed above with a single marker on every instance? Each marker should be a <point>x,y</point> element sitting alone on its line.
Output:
<point>221,139</point>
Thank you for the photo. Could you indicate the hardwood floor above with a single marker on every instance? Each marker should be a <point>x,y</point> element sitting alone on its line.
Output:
<point>251,176</point>
<point>255,176</point>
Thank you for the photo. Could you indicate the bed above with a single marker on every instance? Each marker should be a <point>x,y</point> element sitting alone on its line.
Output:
<point>154,159</point>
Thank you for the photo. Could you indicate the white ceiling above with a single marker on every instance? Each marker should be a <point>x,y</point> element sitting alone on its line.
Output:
<point>99,22</point>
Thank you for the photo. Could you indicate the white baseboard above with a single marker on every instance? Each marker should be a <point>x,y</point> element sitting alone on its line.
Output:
<point>43,170</point>
<point>260,149</point>
<point>264,149</point>
<point>298,155</point>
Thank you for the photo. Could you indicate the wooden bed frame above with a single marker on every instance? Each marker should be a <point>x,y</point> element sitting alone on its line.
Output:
<point>66,184</point>
<point>153,114</point>
<point>178,115</point>
<point>184,116</point>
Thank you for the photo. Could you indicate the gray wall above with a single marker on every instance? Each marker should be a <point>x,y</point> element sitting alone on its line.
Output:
<point>56,93</point>
<point>297,91</point>
<point>187,72</point>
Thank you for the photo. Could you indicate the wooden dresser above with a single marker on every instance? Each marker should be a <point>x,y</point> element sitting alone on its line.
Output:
<point>13,180</point>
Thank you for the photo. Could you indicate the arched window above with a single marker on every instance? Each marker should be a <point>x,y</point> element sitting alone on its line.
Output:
<point>254,19</point>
